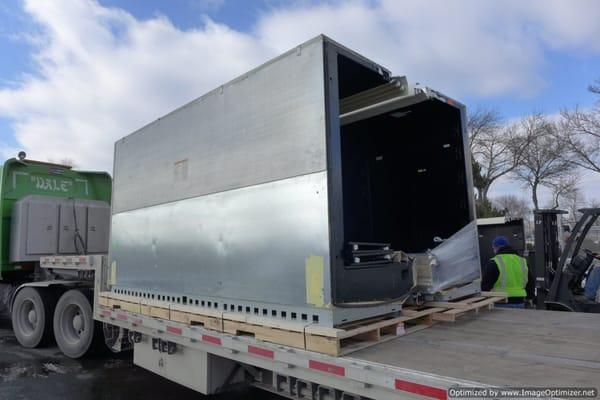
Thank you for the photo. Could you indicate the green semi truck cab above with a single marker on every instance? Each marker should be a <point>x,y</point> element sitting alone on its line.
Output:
<point>54,229</point>
<point>22,178</point>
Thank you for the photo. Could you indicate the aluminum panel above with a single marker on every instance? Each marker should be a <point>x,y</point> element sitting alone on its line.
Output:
<point>262,235</point>
<point>269,124</point>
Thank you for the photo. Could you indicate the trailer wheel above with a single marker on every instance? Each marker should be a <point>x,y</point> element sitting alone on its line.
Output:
<point>32,316</point>
<point>75,330</point>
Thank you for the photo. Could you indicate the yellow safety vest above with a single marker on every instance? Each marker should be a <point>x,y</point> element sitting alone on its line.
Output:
<point>513,275</point>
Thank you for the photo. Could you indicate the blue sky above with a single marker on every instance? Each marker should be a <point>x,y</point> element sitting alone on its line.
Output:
<point>75,75</point>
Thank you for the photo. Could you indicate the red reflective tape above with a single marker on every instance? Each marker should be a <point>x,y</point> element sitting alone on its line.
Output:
<point>329,368</point>
<point>423,390</point>
<point>137,322</point>
<point>174,330</point>
<point>211,339</point>
<point>105,313</point>
<point>261,352</point>
<point>122,317</point>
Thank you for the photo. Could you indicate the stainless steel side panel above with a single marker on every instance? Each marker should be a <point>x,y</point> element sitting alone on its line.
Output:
<point>248,244</point>
<point>266,125</point>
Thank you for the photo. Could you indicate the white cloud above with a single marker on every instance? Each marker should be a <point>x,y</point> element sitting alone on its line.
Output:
<point>101,73</point>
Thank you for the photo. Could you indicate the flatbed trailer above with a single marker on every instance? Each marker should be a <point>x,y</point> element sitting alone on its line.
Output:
<point>500,348</point>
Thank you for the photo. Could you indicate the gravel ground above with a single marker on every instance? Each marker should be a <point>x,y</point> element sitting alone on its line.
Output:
<point>46,374</point>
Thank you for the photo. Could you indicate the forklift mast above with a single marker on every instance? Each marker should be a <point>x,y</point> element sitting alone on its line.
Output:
<point>547,251</point>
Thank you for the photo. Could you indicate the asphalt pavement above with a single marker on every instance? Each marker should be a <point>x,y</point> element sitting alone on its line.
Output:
<point>45,374</point>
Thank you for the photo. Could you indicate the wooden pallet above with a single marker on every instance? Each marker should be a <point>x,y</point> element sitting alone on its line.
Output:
<point>196,316</point>
<point>120,301</point>
<point>160,309</point>
<point>155,308</point>
<point>475,304</point>
<point>362,334</point>
<point>332,341</point>
<point>265,329</point>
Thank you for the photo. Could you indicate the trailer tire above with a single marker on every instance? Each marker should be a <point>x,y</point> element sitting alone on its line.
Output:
<point>32,314</point>
<point>75,330</point>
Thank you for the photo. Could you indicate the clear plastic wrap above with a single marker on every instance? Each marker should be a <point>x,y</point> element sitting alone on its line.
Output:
<point>453,263</point>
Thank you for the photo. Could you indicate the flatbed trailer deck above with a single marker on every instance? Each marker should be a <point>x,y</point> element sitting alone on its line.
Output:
<point>503,347</point>
<point>527,348</point>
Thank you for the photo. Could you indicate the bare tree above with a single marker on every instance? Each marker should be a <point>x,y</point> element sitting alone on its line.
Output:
<point>573,202</point>
<point>482,121</point>
<point>541,157</point>
<point>580,131</point>
<point>512,206</point>
<point>564,187</point>
<point>493,149</point>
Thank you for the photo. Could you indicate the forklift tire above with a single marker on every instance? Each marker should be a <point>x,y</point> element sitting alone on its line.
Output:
<point>31,315</point>
<point>75,330</point>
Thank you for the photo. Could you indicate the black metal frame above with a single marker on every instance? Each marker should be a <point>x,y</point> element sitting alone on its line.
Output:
<point>560,295</point>
<point>362,281</point>
<point>547,251</point>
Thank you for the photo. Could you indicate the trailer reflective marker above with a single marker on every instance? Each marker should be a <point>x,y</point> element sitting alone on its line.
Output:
<point>325,367</point>
<point>211,339</point>
<point>173,329</point>
<point>261,352</point>
<point>423,390</point>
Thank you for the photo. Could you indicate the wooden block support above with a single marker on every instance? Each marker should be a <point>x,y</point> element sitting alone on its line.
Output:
<point>127,306</point>
<point>323,344</point>
<point>160,312</point>
<point>208,322</point>
<point>265,333</point>
<point>103,301</point>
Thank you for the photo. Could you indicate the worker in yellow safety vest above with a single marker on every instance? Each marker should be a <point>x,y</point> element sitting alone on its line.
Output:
<point>508,272</point>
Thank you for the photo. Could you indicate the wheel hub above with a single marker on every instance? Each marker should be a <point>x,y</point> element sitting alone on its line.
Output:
<point>32,317</point>
<point>78,323</point>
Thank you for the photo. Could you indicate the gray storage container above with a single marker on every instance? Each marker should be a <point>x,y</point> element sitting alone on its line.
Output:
<point>44,226</point>
<point>259,197</point>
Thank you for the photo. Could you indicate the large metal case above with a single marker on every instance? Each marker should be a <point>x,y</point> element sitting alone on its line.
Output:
<point>252,198</point>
